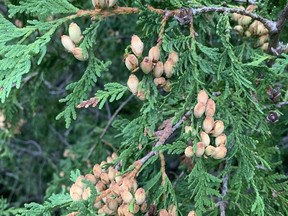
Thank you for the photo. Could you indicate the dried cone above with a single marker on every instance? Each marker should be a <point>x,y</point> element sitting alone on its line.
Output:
<point>173,56</point>
<point>221,140</point>
<point>79,55</point>
<point>168,68</point>
<point>131,62</point>
<point>137,45</point>
<point>158,69</point>
<point>67,43</point>
<point>163,212</point>
<point>210,108</point>
<point>220,152</point>
<point>218,128</point>
<point>86,193</point>
<point>126,196</point>
<point>208,124</point>
<point>192,213</point>
<point>140,196</point>
<point>199,109</point>
<point>133,83</point>
<point>97,170</point>
<point>200,149</point>
<point>209,150</point>
<point>161,81</point>
<point>75,33</point>
<point>146,65</point>
<point>205,139</point>
<point>189,152</point>
<point>202,97</point>
<point>154,54</point>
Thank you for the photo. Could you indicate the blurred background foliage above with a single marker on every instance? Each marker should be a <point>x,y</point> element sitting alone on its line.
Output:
<point>37,152</point>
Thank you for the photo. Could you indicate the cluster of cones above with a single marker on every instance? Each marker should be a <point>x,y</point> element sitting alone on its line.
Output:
<point>150,63</point>
<point>211,128</point>
<point>124,197</point>
<point>248,28</point>
<point>70,42</point>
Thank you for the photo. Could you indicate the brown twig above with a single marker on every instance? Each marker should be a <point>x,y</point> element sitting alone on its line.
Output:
<point>275,36</point>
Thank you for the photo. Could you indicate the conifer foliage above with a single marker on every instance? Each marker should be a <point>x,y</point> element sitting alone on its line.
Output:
<point>199,91</point>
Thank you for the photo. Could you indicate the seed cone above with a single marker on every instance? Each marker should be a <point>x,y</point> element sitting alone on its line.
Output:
<point>131,62</point>
<point>208,124</point>
<point>75,33</point>
<point>200,149</point>
<point>158,69</point>
<point>192,213</point>
<point>163,212</point>
<point>78,54</point>
<point>67,43</point>
<point>205,138</point>
<point>137,45</point>
<point>189,151</point>
<point>126,196</point>
<point>140,196</point>
<point>173,56</point>
<point>239,29</point>
<point>168,68</point>
<point>146,65</point>
<point>154,54</point>
<point>161,81</point>
<point>86,194</point>
<point>97,170</point>
<point>141,95</point>
<point>199,109</point>
<point>76,192</point>
<point>218,128</point>
<point>167,87</point>
<point>91,178</point>
<point>209,150</point>
<point>133,83</point>
<point>210,108</point>
<point>79,182</point>
<point>220,152</point>
<point>202,97</point>
<point>221,140</point>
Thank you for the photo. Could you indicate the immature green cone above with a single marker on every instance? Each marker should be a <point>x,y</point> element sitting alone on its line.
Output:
<point>133,83</point>
<point>146,65</point>
<point>78,54</point>
<point>158,69</point>
<point>67,43</point>
<point>131,62</point>
<point>75,33</point>
<point>137,45</point>
<point>154,54</point>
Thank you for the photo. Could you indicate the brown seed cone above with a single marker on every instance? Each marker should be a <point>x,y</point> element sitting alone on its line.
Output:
<point>126,196</point>
<point>200,149</point>
<point>210,108</point>
<point>91,178</point>
<point>146,65</point>
<point>137,45</point>
<point>158,69</point>
<point>221,140</point>
<point>189,151</point>
<point>79,182</point>
<point>202,97</point>
<point>220,152</point>
<point>209,150</point>
<point>205,138</point>
<point>140,196</point>
<point>154,54</point>
<point>86,193</point>
<point>161,81</point>
<point>133,83</point>
<point>173,56</point>
<point>208,124</point>
<point>168,68</point>
<point>218,128</point>
<point>199,109</point>
<point>131,62</point>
